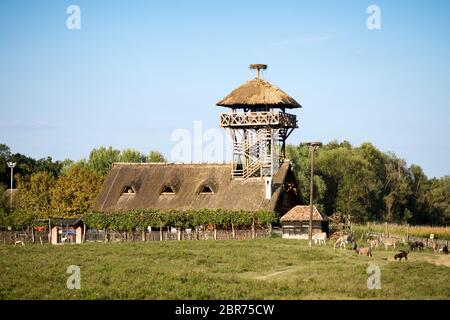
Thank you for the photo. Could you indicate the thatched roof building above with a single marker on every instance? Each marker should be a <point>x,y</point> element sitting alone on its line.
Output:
<point>193,186</point>
<point>301,213</point>
<point>258,93</point>
<point>257,179</point>
<point>295,223</point>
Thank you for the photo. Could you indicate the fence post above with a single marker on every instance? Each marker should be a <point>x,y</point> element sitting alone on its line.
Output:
<point>233,233</point>
<point>32,233</point>
<point>407,233</point>
<point>253,229</point>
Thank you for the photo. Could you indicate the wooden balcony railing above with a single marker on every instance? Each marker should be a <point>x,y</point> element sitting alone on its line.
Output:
<point>250,119</point>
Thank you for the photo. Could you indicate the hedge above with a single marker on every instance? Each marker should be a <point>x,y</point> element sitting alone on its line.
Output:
<point>124,221</point>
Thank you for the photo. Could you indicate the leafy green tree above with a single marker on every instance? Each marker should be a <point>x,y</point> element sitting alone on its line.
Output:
<point>67,163</point>
<point>398,188</point>
<point>155,156</point>
<point>369,184</point>
<point>5,155</point>
<point>75,191</point>
<point>132,156</point>
<point>35,195</point>
<point>440,201</point>
<point>101,160</point>
<point>25,167</point>
<point>301,161</point>
<point>48,165</point>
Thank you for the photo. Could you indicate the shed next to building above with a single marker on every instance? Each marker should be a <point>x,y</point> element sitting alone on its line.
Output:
<point>295,223</point>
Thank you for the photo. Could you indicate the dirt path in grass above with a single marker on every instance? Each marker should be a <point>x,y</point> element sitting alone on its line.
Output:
<point>270,275</point>
<point>443,260</point>
<point>275,274</point>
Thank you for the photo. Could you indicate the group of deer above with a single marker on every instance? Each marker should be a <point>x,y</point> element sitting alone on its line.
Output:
<point>387,242</point>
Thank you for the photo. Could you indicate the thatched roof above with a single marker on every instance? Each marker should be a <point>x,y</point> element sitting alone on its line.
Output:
<point>148,181</point>
<point>258,93</point>
<point>301,213</point>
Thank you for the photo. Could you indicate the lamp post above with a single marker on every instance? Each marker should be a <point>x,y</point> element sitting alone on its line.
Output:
<point>312,147</point>
<point>11,165</point>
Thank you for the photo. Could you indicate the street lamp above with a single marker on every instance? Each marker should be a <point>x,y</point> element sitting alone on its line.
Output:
<point>312,147</point>
<point>11,165</point>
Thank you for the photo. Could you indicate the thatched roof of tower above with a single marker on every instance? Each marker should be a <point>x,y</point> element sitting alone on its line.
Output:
<point>148,181</point>
<point>258,92</point>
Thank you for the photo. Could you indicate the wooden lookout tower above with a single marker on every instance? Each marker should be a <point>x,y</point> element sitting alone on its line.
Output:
<point>259,126</point>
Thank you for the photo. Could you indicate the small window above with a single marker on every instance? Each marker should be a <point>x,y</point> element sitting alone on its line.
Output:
<point>206,190</point>
<point>167,190</point>
<point>128,190</point>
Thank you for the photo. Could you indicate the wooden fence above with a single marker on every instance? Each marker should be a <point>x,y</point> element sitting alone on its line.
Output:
<point>428,243</point>
<point>92,235</point>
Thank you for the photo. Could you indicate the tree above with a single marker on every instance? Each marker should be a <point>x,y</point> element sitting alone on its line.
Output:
<point>132,156</point>
<point>35,195</point>
<point>75,191</point>
<point>155,156</point>
<point>302,164</point>
<point>398,187</point>
<point>50,166</point>
<point>67,163</point>
<point>370,185</point>
<point>101,160</point>
<point>440,201</point>
<point>5,154</point>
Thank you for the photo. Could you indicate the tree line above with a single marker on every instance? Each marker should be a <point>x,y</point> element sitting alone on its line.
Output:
<point>47,188</point>
<point>371,185</point>
<point>363,181</point>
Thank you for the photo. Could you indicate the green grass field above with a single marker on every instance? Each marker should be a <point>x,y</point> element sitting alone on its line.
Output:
<point>259,269</point>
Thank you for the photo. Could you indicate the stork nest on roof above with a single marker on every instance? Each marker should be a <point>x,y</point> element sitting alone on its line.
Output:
<point>258,66</point>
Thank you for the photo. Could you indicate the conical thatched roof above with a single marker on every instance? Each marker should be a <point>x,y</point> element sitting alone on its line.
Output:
<point>258,92</point>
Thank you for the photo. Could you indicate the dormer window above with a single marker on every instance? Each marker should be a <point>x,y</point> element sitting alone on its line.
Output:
<point>167,190</point>
<point>128,190</point>
<point>206,190</point>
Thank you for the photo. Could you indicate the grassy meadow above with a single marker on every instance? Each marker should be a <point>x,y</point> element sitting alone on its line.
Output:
<point>258,269</point>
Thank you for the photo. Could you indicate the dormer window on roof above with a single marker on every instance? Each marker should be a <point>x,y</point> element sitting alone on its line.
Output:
<point>167,190</point>
<point>206,190</point>
<point>128,190</point>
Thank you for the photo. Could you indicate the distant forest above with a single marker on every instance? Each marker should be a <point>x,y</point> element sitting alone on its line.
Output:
<point>364,182</point>
<point>371,185</point>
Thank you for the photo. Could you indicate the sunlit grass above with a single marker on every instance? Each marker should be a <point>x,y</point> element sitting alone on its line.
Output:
<point>260,269</point>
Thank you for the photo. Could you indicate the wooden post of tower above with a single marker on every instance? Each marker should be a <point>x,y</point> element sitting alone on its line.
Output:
<point>312,148</point>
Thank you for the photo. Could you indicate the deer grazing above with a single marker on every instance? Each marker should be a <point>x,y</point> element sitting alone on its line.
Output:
<point>440,248</point>
<point>417,245</point>
<point>320,238</point>
<point>389,242</point>
<point>402,254</point>
<point>373,243</point>
<point>343,240</point>
<point>365,251</point>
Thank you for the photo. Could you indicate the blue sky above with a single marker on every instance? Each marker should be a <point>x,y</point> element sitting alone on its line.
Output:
<point>138,70</point>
